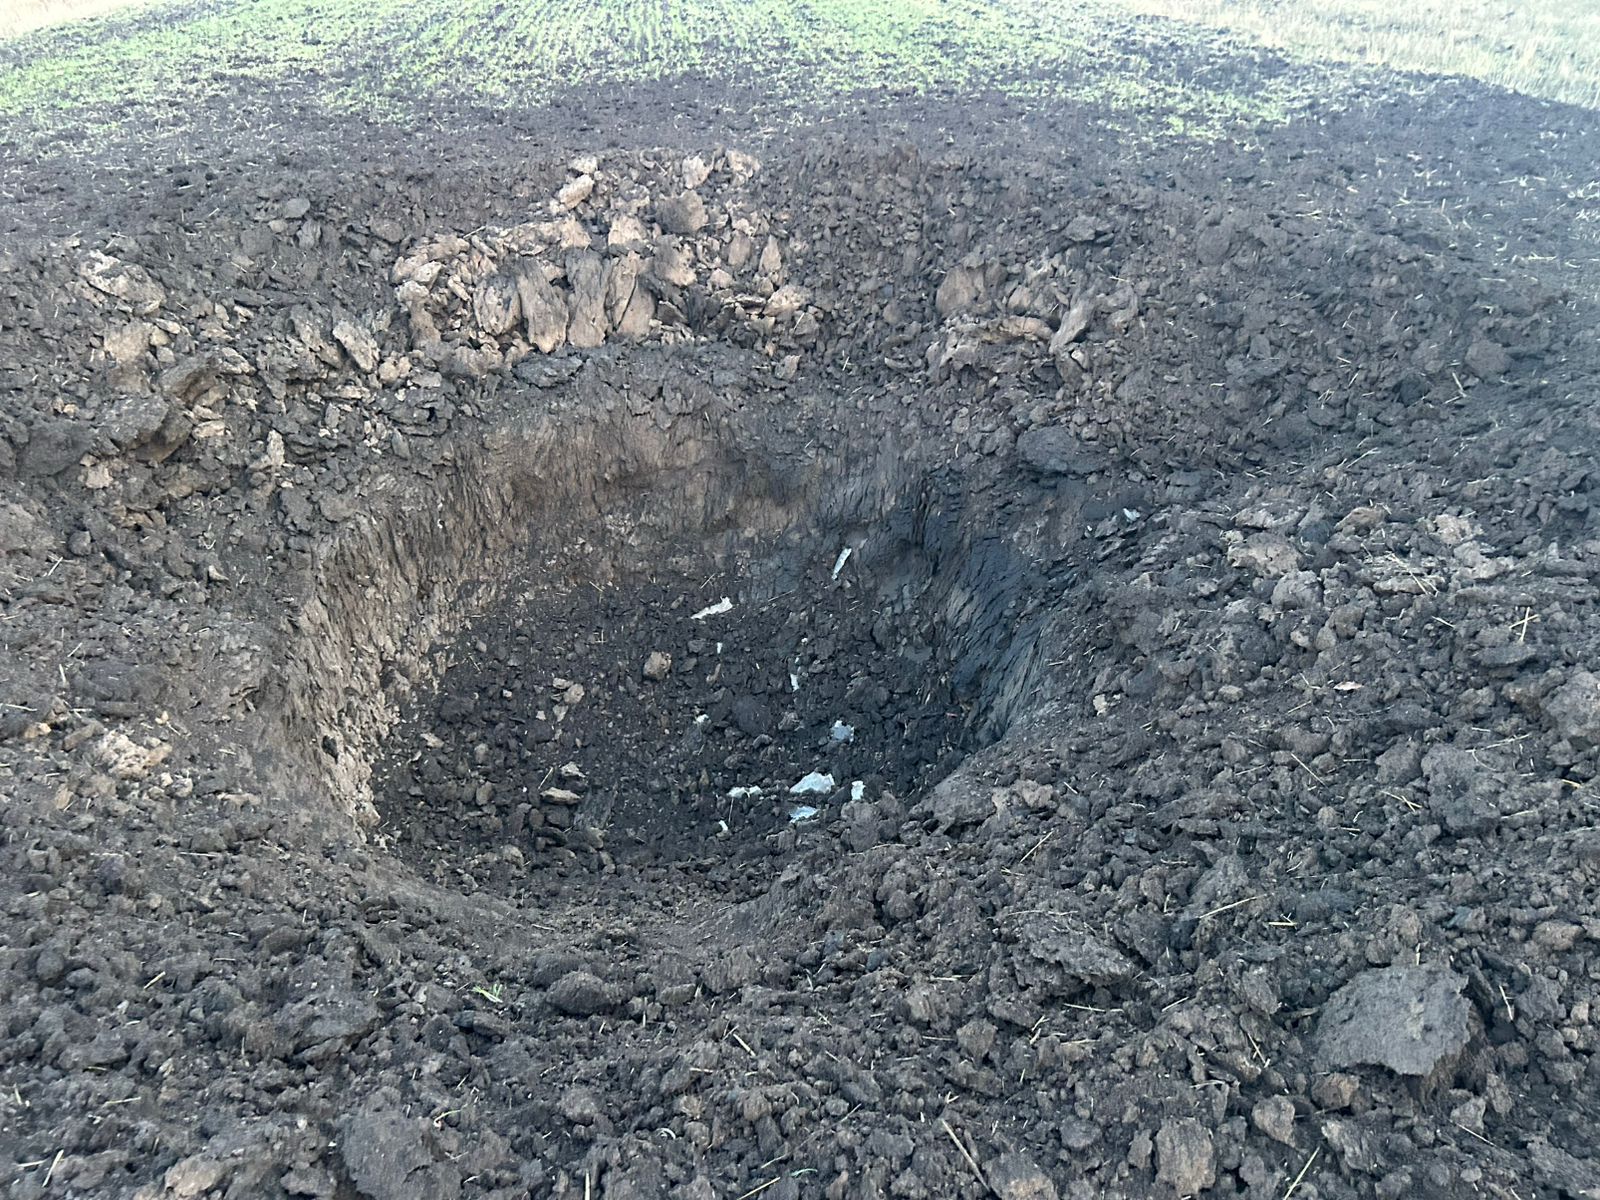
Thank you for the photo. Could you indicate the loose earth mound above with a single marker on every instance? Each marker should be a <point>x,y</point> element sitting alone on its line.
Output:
<point>801,666</point>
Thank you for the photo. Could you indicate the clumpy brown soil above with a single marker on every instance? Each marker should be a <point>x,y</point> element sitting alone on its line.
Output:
<point>1217,640</point>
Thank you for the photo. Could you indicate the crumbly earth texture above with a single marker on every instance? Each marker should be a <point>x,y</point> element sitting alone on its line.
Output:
<point>1217,644</point>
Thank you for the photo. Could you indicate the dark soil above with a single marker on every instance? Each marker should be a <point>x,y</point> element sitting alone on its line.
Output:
<point>694,746</point>
<point>1219,638</point>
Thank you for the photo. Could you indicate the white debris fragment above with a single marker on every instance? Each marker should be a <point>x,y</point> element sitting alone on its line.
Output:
<point>842,732</point>
<point>857,790</point>
<point>794,682</point>
<point>744,793</point>
<point>801,812</point>
<point>815,782</point>
<point>125,758</point>
<point>714,610</point>
<point>838,563</point>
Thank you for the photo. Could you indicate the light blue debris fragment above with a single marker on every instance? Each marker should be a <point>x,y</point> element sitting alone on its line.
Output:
<point>843,732</point>
<point>857,790</point>
<point>802,812</point>
<point>815,782</point>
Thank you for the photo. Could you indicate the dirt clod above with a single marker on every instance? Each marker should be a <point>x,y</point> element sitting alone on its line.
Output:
<point>1017,1177</point>
<point>1186,1156</point>
<point>1410,1019</point>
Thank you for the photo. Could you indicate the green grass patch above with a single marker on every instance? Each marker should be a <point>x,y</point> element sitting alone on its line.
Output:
<point>393,58</point>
